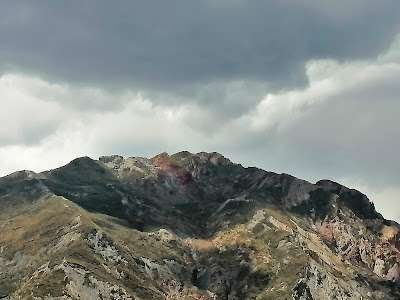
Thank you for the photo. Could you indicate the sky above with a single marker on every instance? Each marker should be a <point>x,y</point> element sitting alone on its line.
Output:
<point>305,87</point>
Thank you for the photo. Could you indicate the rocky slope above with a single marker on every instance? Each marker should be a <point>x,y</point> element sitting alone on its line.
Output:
<point>190,226</point>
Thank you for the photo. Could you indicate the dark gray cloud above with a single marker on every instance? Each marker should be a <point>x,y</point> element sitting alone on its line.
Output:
<point>169,45</point>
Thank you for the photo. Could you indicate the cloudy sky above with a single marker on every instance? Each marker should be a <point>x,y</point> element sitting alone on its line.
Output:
<point>305,87</point>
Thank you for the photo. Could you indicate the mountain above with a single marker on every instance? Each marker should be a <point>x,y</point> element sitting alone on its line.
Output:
<point>190,226</point>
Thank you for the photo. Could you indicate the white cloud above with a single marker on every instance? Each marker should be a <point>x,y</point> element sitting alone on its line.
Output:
<point>54,151</point>
<point>329,80</point>
<point>41,130</point>
<point>23,115</point>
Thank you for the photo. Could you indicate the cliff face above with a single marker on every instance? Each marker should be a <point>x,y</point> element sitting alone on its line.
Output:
<point>190,226</point>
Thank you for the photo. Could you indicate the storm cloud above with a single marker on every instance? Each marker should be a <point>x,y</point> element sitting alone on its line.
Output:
<point>171,44</point>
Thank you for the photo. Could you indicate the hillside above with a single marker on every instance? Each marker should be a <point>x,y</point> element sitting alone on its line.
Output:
<point>190,226</point>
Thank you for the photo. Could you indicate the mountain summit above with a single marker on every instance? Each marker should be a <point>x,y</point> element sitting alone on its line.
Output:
<point>190,226</point>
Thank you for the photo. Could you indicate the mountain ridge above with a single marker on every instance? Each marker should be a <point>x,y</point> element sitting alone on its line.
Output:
<point>226,227</point>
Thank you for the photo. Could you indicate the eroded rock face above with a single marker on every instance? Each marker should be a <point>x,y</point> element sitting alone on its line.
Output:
<point>190,226</point>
